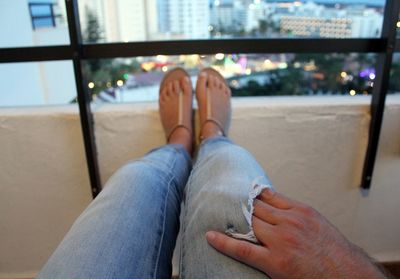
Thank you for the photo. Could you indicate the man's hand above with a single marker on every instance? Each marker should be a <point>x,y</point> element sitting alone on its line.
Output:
<point>296,242</point>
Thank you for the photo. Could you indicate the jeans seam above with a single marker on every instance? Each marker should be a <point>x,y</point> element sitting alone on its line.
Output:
<point>184,222</point>
<point>164,218</point>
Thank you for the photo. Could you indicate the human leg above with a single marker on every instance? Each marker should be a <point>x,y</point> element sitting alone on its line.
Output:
<point>129,230</point>
<point>218,185</point>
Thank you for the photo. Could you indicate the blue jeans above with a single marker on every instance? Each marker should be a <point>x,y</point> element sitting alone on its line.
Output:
<point>130,229</point>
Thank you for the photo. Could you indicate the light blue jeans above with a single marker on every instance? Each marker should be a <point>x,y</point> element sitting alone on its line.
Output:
<point>130,229</point>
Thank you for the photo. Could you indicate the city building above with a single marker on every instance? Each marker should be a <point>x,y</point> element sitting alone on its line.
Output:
<point>222,15</point>
<point>122,20</point>
<point>312,20</point>
<point>34,83</point>
<point>189,19</point>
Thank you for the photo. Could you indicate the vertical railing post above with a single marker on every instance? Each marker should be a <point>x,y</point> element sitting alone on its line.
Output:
<point>31,14</point>
<point>84,99</point>
<point>381,86</point>
<point>53,19</point>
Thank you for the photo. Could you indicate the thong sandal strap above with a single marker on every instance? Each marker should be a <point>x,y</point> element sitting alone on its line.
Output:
<point>176,127</point>
<point>180,117</point>
<point>180,106</point>
<point>210,118</point>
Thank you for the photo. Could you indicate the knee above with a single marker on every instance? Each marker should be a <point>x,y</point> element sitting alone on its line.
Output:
<point>219,210</point>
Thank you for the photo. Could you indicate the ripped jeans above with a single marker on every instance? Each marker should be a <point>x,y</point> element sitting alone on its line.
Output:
<point>130,229</point>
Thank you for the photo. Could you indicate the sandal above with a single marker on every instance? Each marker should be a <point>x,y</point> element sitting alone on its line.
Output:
<point>213,110</point>
<point>182,120</point>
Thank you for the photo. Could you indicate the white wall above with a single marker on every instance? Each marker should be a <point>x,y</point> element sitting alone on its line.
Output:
<point>32,83</point>
<point>36,83</point>
<point>313,149</point>
<point>16,24</point>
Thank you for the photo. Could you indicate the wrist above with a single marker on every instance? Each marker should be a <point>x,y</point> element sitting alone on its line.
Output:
<point>357,264</point>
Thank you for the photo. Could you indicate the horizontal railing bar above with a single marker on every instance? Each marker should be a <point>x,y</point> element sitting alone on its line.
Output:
<point>112,50</point>
<point>41,4</point>
<point>45,16</point>
<point>32,54</point>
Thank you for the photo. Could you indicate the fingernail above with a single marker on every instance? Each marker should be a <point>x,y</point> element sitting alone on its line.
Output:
<point>203,74</point>
<point>186,79</point>
<point>210,236</point>
<point>269,191</point>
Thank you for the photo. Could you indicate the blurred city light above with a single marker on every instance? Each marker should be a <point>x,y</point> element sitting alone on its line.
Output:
<point>219,56</point>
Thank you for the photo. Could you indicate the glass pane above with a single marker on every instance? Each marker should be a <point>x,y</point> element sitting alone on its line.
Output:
<point>138,79</point>
<point>398,27</point>
<point>147,20</point>
<point>33,23</point>
<point>394,84</point>
<point>45,83</point>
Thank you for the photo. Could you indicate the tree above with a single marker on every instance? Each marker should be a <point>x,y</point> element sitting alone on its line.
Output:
<point>93,34</point>
<point>263,26</point>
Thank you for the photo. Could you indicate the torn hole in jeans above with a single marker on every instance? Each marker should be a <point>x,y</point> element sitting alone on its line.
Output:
<point>255,191</point>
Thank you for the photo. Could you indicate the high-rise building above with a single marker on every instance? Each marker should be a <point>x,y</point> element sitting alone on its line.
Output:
<point>190,19</point>
<point>163,16</point>
<point>122,20</point>
<point>312,20</point>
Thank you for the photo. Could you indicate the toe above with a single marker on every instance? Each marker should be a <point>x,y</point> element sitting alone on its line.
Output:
<point>221,85</point>
<point>213,81</point>
<point>163,93</point>
<point>176,86</point>
<point>227,91</point>
<point>170,89</point>
<point>201,85</point>
<point>185,85</point>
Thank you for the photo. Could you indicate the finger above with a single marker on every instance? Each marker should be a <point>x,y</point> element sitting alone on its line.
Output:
<point>276,199</point>
<point>263,231</point>
<point>266,212</point>
<point>243,251</point>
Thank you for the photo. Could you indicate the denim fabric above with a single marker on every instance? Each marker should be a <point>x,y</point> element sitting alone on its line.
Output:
<point>218,185</point>
<point>130,229</point>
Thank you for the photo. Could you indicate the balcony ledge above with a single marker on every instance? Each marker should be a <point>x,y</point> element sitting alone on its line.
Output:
<point>312,148</point>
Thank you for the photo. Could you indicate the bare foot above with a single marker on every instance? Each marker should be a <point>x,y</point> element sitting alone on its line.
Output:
<point>176,108</point>
<point>214,100</point>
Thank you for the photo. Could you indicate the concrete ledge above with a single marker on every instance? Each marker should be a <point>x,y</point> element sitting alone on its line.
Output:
<point>312,148</point>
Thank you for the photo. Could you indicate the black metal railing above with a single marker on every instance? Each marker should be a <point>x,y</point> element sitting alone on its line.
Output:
<point>384,46</point>
<point>46,16</point>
